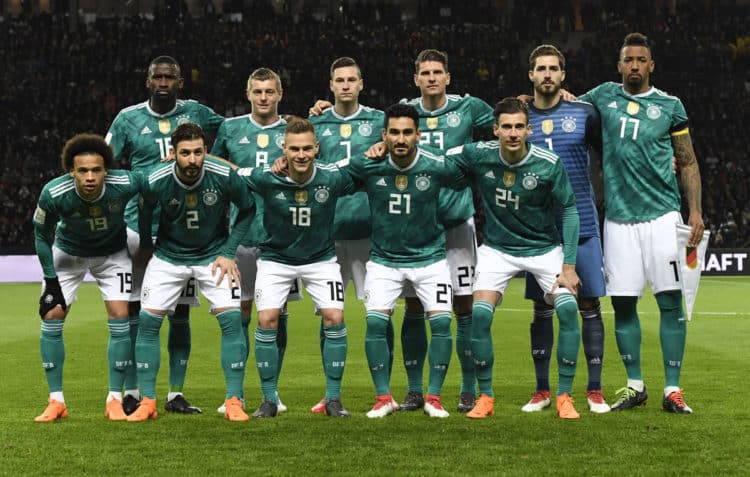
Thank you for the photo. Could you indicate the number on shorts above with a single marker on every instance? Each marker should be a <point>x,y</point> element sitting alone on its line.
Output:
<point>444,291</point>
<point>189,290</point>
<point>465,276</point>
<point>337,290</point>
<point>126,282</point>
<point>676,271</point>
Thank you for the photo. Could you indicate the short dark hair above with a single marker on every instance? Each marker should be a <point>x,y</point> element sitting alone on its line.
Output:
<point>546,50</point>
<point>187,132</point>
<point>431,55</point>
<point>511,106</point>
<point>343,62</point>
<point>86,144</point>
<point>297,125</point>
<point>401,111</point>
<point>164,59</point>
<point>636,39</point>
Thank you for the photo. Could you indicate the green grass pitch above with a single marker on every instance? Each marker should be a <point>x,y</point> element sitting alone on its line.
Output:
<point>646,441</point>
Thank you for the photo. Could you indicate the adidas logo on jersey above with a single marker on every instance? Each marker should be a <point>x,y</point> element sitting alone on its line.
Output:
<point>281,196</point>
<point>327,132</point>
<point>613,104</point>
<point>381,182</point>
<point>490,174</point>
<point>145,130</point>
<point>244,140</point>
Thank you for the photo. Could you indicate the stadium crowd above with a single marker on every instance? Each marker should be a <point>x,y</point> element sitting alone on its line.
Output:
<point>61,77</point>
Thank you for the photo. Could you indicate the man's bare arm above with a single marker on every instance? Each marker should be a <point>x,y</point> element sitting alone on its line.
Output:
<point>690,177</point>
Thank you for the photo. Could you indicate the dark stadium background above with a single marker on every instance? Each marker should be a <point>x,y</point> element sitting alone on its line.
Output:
<point>69,66</point>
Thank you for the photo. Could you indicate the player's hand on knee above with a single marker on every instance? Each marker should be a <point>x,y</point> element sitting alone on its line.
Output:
<point>51,298</point>
<point>568,278</point>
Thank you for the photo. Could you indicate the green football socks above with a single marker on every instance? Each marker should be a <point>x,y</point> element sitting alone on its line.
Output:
<point>118,352</point>
<point>334,359</point>
<point>148,352</point>
<point>481,344</point>
<point>568,341</point>
<point>376,349</point>
<point>52,349</point>
<point>233,351</point>
<point>440,351</point>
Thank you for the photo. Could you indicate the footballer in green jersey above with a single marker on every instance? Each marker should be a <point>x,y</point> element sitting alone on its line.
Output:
<point>193,241</point>
<point>141,133</point>
<point>344,131</point>
<point>408,245</point>
<point>298,220</point>
<point>255,140</point>
<point>522,186</point>
<point>643,128</point>
<point>446,120</point>
<point>79,227</point>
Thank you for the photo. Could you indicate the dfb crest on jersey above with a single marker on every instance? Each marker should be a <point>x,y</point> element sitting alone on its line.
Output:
<point>568,124</point>
<point>165,126</point>
<point>95,211</point>
<point>633,108</point>
<point>509,178</point>
<point>300,196</point>
<point>653,112</point>
<point>262,140</point>
<point>453,119</point>
<point>530,181</point>
<point>365,128</point>
<point>402,182</point>
<point>345,130</point>
<point>432,123</point>
<point>548,126</point>
<point>279,140</point>
<point>322,194</point>
<point>191,200</point>
<point>423,182</point>
<point>210,197</point>
<point>183,119</point>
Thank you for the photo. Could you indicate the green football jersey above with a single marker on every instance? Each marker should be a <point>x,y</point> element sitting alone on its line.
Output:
<point>520,200</point>
<point>298,218</point>
<point>449,126</point>
<point>244,142</point>
<point>193,223</point>
<point>83,228</point>
<point>639,181</point>
<point>144,137</point>
<point>406,230</point>
<point>343,138</point>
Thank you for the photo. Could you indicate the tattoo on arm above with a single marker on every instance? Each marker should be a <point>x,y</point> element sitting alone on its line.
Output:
<point>689,173</point>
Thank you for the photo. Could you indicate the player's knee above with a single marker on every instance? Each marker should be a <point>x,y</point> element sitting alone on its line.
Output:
<point>588,303</point>
<point>440,325</point>
<point>670,305</point>
<point>481,317</point>
<point>624,304</point>
<point>332,316</point>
